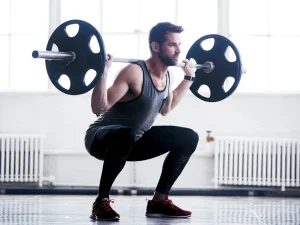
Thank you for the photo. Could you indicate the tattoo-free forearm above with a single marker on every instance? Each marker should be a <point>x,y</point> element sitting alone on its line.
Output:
<point>179,92</point>
<point>99,95</point>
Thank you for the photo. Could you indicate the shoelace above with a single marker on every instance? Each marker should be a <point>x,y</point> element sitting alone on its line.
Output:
<point>169,200</point>
<point>173,205</point>
<point>105,205</point>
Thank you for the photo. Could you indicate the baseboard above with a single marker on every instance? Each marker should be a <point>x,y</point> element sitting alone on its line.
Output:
<point>267,192</point>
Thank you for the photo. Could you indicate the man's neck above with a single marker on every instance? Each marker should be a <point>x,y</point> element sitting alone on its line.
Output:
<point>156,67</point>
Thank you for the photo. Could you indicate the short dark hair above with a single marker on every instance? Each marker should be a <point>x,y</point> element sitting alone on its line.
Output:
<point>159,31</point>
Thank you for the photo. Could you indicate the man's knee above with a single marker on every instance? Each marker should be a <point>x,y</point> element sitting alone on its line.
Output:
<point>191,139</point>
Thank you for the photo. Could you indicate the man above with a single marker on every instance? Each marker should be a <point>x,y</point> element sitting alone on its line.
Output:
<point>124,132</point>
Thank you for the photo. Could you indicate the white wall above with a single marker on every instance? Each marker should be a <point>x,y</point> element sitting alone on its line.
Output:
<point>63,119</point>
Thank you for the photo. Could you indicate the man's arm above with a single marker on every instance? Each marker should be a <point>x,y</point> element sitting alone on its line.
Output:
<point>177,94</point>
<point>103,98</point>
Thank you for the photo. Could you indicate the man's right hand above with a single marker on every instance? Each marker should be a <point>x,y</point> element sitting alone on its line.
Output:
<point>187,68</point>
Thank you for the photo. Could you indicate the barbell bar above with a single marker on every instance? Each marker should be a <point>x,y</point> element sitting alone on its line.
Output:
<point>75,58</point>
<point>71,56</point>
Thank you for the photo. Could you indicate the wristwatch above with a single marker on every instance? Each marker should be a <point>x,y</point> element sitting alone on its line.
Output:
<point>189,78</point>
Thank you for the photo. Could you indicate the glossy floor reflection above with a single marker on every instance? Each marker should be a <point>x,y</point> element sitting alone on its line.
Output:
<point>59,209</point>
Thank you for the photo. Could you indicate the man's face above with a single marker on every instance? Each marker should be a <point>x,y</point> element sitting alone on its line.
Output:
<point>170,49</point>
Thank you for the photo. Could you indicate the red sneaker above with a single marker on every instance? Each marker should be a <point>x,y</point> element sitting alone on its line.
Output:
<point>165,208</point>
<point>102,211</point>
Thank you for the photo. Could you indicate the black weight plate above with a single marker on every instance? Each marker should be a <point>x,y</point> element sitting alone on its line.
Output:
<point>85,58</point>
<point>223,68</point>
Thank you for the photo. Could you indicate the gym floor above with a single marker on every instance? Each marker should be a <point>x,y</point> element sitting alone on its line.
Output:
<point>75,209</point>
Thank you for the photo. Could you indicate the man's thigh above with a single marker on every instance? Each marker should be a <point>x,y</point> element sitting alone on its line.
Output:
<point>157,141</point>
<point>103,139</point>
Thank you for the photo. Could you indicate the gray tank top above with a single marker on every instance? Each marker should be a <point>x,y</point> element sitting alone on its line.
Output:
<point>138,114</point>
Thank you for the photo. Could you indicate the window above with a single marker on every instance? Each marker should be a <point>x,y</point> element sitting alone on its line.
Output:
<point>4,65</point>
<point>120,46</point>
<point>198,18</point>
<point>266,32</point>
<point>4,16</point>
<point>24,29</point>
<point>120,16</point>
<point>268,38</point>
<point>126,34</point>
<point>4,43</point>
<point>155,11</point>
<point>88,11</point>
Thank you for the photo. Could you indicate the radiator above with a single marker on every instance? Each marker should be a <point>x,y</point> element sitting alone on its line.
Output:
<point>21,158</point>
<point>246,161</point>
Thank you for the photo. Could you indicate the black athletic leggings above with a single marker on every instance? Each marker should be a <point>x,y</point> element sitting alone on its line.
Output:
<point>115,145</point>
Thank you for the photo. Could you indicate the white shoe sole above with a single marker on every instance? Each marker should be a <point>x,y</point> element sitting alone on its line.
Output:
<point>94,217</point>
<point>163,215</point>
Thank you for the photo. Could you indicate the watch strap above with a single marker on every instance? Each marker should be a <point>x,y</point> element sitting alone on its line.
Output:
<point>190,78</point>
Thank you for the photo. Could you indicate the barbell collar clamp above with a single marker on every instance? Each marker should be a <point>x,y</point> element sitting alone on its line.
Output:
<point>208,67</point>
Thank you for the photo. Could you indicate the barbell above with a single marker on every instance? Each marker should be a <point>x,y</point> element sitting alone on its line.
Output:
<point>75,57</point>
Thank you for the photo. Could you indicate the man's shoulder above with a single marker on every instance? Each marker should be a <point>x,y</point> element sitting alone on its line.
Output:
<point>132,68</point>
<point>130,72</point>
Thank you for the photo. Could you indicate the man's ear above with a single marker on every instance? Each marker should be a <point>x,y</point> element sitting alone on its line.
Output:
<point>155,46</point>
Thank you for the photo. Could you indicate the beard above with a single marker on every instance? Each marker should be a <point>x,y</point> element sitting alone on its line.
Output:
<point>168,61</point>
